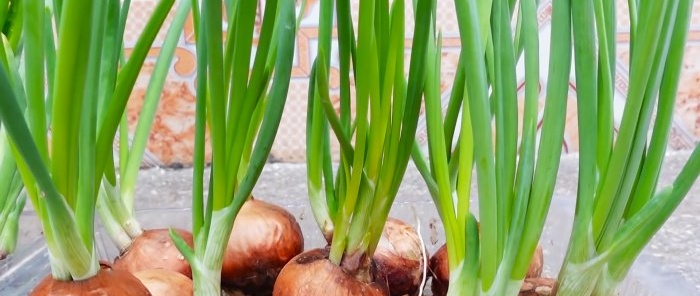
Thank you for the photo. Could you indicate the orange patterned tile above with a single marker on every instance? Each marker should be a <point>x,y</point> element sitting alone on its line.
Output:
<point>171,140</point>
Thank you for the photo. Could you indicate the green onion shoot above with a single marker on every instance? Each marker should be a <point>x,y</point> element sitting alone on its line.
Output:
<point>241,108</point>
<point>351,204</point>
<point>620,205</point>
<point>139,250</point>
<point>514,177</point>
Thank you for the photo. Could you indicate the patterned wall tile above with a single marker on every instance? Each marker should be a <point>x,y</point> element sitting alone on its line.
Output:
<point>172,136</point>
<point>688,102</point>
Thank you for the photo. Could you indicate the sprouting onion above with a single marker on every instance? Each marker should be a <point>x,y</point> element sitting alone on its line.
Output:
<point>115,203</point>
<point>242,110</point>
<point>514,183</point>
<point>65,166</point>
<point>352,207</point>
<point>619,207</point>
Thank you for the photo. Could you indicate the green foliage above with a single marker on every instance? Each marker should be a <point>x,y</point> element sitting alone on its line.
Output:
<point>66,167</point>
<point>242,109</point>
<point>353,205</point>
<point>619,205</point>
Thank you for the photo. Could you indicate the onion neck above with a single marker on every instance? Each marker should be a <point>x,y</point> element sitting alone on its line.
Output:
<point>120,223</point>
<point>358,264</point>
<point>319,208</point>
<point>465,283</point>
<point>461,284</point>
<point>71,257</point>
<point>606,285</point>
<point>206,268</point>
<point>206,281</point>
<point>503,284</point>
<point>578,279</point>
<point>610,279</point>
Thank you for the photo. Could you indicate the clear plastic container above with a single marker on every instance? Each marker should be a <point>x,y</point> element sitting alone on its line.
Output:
<point>164,195</point>
<point>20,272</point>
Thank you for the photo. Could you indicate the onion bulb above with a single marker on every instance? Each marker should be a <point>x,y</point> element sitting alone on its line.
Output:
<point>312,274</point>
<point>154,249</point>
<point>399,258</point>
<point>439,268</point>
<point>163,282</point>
<point>108,281</point>
<point>264,238</point>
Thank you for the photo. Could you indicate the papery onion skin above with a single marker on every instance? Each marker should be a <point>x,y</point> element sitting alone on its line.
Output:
<point>163,282</point>
<point>264,238</point>
<point>154,249</point>
<point>439,269</point>
<point>312,274</point>
<point>536,264</point>
<point>108,281</point>
<point>399,258</point>
<point>538,287</point>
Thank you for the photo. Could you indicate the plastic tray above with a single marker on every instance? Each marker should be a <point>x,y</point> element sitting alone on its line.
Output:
<point>22,270</point>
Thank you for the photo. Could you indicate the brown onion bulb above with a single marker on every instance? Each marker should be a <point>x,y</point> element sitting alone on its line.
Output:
<point>108,281</point>
<point>228,292</point>
<point>399,258</point>
<point>440,270</point>
<point>154,249</point>
<point>264,238</point>
<point>312,274</point>
<point>163,282</point>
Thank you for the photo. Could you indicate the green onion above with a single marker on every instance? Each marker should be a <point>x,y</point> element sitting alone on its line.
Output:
<point>514,184</point>
<point>230,99</point>
<point>619,206</point>
<point>352,206</point>
<point>68,164</point>
<point>115,202</point>
<point>375,129</point>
